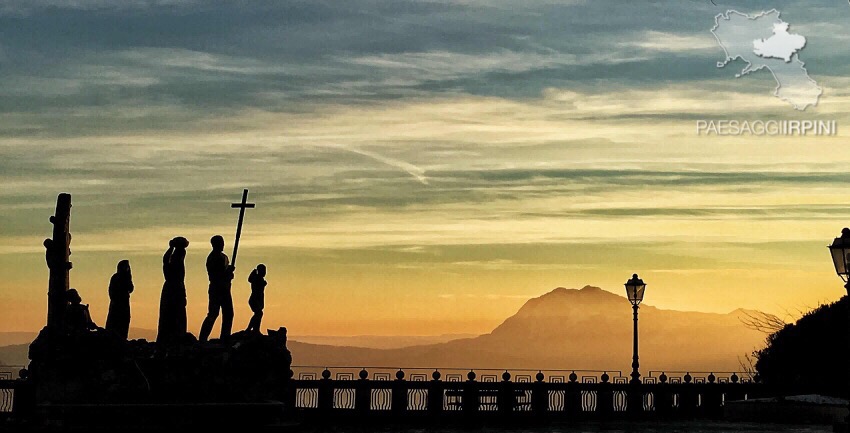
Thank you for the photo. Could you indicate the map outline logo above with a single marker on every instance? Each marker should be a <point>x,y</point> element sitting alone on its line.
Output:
<point>763,41</point>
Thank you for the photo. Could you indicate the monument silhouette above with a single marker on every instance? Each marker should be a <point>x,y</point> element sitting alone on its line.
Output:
<point>120,288</point>
<point>73,361</point>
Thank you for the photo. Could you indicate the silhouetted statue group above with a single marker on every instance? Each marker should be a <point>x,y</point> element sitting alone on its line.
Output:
<point>172,326</point>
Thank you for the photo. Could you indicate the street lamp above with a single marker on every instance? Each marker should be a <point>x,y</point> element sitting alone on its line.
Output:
<point>840,251</point>
<point>634,291</point>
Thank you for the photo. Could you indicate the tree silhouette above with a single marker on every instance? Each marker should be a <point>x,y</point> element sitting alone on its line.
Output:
<point>811,353</point>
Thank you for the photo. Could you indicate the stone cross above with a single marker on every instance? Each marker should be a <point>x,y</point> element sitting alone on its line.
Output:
<point>242,206</point>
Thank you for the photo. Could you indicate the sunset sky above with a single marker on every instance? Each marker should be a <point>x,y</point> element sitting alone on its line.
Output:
<point>419,167</point>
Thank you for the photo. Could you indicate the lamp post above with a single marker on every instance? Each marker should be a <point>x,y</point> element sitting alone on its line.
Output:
<point>634,291</point>
<point>840,251</point>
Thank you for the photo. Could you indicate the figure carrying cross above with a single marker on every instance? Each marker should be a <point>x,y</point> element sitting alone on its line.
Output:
<point>220,271</point>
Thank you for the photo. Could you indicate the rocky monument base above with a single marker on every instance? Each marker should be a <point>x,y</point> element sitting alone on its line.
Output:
<point>95,367</point>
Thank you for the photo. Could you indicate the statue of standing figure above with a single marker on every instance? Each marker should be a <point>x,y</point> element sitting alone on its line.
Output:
<point>220,274</point>
<point>172,303</point>
<point>120,288</point>
<point>257,299</point>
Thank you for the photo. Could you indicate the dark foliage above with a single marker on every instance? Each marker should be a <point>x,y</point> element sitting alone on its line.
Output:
<point>811,354</point>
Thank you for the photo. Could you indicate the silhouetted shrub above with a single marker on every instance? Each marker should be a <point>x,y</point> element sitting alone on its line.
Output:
<point>810,355</point>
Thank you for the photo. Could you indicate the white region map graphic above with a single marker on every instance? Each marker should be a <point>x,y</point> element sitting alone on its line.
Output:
<point>782,45</point>
<point>763,41</point>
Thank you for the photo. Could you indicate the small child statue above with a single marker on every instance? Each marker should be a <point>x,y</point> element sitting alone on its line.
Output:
<point>257,299</point>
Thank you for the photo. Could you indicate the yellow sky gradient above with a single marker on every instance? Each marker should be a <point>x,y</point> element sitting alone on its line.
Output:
<point>427,268</point>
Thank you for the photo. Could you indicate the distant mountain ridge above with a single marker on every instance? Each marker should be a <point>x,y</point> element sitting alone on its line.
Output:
<point>378,341</point>
<point>586,328</point>
<point>10,338</point>
<point>14,355</point>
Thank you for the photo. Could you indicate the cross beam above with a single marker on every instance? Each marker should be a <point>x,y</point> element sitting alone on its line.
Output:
<point>242,206</point>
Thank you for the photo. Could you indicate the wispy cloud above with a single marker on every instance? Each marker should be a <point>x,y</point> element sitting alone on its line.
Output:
<point>652,40</point>
<point>445,65</point>
<point>176,58</point>
<point>414,171</point>
<point>26,7</point>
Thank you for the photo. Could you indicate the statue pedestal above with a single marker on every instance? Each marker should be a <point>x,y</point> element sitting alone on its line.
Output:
<point>94,367</point>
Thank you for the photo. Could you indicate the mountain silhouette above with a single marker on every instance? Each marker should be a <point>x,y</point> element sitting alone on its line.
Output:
<point>10,338</point>
<point>379,341</point>
<point>588,328</point>
<point>14,355</point>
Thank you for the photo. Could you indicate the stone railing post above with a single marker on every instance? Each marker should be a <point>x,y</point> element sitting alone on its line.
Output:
<point>734,391</point>
<point>663,397</point>
<point>290,393</point>
<point>23,404</point>
<point>363,394</point>
<point>471,402</point>
<point>326,392</point>
<point>572,398</point>
<point>712,398</point>
<point>635,399</point>
<point>399,394</point>
<point>688,397</point>
<point>507,395</point>
<point>435,394</point>
<point>540,396</point>
<point>605,397</point>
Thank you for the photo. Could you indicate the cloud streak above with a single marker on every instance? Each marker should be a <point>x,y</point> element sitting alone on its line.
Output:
<point>414,171</point>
